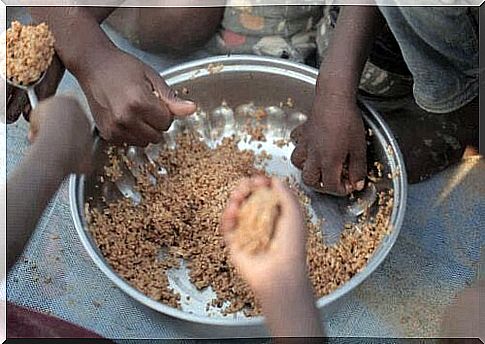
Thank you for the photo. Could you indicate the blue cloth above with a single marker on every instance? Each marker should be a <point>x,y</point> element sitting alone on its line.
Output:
<point>440,47</point>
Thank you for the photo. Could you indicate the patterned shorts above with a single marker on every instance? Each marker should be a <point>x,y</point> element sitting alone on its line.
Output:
<point>302,34</point>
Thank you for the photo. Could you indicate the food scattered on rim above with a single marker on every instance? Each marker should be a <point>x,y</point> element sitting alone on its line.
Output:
<point>215,68</point>
<point>29,52</point>
<point>289,103</point>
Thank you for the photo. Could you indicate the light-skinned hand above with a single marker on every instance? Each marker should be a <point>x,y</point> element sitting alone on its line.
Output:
<point>284,261</point>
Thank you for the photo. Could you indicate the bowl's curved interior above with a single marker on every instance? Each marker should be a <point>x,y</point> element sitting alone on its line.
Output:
<point>238,80</point>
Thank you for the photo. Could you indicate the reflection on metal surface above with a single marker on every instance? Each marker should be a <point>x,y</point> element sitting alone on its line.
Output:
<point>265,83</point>
<point>362,201</point>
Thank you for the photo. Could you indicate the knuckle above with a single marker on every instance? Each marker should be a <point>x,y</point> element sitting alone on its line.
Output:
<point>133,102</point>
<point>169,93</point>
<point>327,159</point>
<point>133,106</point>
<point>118,119</point>
<point>166,123</point>
<point>339,191</point>
<point>123,118</point>
<point>296,134</point>
<point>108,135</point>
<point>142,142</point>
<point>331,188</point>
<point>295,157</point>
<point>298,157</point>
<point>310,176</point>
<point>306,179</point>
<point>156,138</point>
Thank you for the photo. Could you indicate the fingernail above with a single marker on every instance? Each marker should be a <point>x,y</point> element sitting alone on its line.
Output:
<point>360,185</point>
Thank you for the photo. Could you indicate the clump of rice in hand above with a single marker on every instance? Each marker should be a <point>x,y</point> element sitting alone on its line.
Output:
<point>30,50</point>
<point>257,220</point>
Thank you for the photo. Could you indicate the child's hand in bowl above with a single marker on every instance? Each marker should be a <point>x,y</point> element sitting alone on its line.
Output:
<point>283,262</point>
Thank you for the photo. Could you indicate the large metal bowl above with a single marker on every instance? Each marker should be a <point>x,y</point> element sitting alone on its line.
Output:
<point>264,81</point>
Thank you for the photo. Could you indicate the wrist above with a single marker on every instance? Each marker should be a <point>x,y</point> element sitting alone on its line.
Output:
<point>85,68</point>
<point>333,86</point>
<point>294,313</point>
<point>282,284</point>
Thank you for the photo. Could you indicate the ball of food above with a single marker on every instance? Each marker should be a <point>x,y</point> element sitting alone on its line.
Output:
<point>257,220</point>
<point>30,50</point>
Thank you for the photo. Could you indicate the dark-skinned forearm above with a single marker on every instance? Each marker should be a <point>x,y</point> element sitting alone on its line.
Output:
<point>78,34</point>
<point>349,49</point>
<point>29,190</point>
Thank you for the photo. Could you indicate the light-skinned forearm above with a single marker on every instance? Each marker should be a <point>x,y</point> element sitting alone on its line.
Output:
<point>355,32</point>
<point>29,190</point>
<point>290,310</point>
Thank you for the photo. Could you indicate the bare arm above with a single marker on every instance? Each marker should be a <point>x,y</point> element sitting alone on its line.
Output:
<point>355,32</point>
<point>292,312</point>
<point>63,142</point>
<point>130,102</point>
<point>28,191</point>
<point>333,138</point>
<point>278,276</point>
<point>78,33</point>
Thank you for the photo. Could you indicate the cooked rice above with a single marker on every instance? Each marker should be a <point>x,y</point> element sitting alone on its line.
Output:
<point>180,216</point>
<point>30,50</point>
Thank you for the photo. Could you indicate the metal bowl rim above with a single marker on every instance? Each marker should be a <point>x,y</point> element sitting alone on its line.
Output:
<point>76,182</point>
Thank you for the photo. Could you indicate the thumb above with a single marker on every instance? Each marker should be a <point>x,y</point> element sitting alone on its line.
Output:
<point>177,106</point>
<point>286,198</point>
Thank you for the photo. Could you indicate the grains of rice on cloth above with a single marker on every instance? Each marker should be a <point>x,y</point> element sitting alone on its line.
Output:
<point>30,50</point>
<point>181,213</point>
